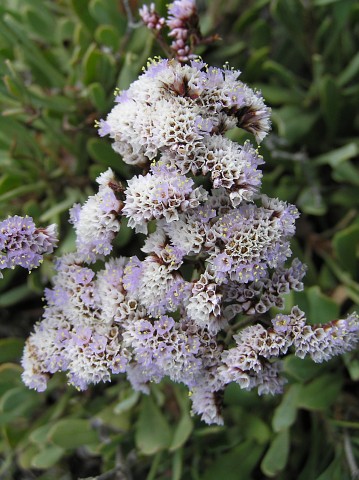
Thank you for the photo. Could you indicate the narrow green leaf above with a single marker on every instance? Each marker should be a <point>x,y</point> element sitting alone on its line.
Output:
<point>107,13</point>
<point>346,173</point>
<point>127,404</point>
<point>108,35</point>
<point>10,349</point>
<point>71,433</point>
<point>102,152</point>
<point>82,11</point>
<point>152,430</point>
<point>24,189</point>
<point>17,402</point>
<point>98,67</point>
<point>72,196</point>
<point>301,369</point>
<point>345,245</point>
<point>9,182</point>
<point>97,96</point>
<point>311,201</point>
<point>40,434</point>
<point>40,21</point>
<point>334,471</point>
<point>286,412</point>
<point>322,309</point>
<point>320,393</point>
<point>177,465</point>
<point>330,103</point>
<point>33,53</point>
<point>282,73</point>
<point>276,457</point>
<point>293,122</point>
<point>15,295</point>
<point>350,71</point>
<point>238,463</point>
<point>336,157</point>
<point>47,457</point>
<point>278,95</point>
<point>182,432</point>
<point>25,456</point>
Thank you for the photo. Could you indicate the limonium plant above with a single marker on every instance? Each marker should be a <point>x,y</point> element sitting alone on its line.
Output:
<point>194,305</point>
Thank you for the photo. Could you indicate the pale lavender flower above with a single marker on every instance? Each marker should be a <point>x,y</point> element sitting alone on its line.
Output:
<point>162,193</point>
<point>253,238</point>
<point>22,243</point>
<point>96,222</point>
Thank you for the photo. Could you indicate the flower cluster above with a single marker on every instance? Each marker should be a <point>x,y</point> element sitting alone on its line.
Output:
<point>216,252</point>
<point>21,243</point>
<point>96,222</point>
<point>183,27</point>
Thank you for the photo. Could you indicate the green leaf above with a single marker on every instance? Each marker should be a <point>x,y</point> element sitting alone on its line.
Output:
<point>255,62</point>
<point>329,103</point>
<point>10,372</point>
<point>71,433</point>
<point>98,67</point>
<point>282,73</point>
<point>13,87</point>
<point>302,369</point>
<point>15,295</point>
<point>336,157</point>
<point>48,457</point>
<point>108,35</point>
<point>125,235</point>
<point>40,434</point>
<point>97,96</point>
<point>322,309</point>
<point>293,122</point>
<point>350,71</point>
<point>10,349</point>
<point>276,457</point>
<point>17,402</point>
<point>26,455</point>
<point>182,432</point>
<point>345,245</point>
<point>40,21</point>
<point>52,214</point>
<point>177,465</point>
<point>14,30</point>
<point>249,14</point>
<point>346,173</point>
<point>239,461</point>
<point>278,95</point>
<point>334,471</point>
<point>286,412</point>
<point>291,16</point>
<point>102,152</point>
<point>108,13</point>
<point>82,11</point>
<point>9,182</point>
<point>311,201</point>
<point>320,393</point>
<point>352,364</point>
<point>153,433</point>
<point>22,190</point>
<point>127,403</point>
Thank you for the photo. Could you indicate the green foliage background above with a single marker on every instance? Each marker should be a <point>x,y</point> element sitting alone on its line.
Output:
<point>60,63</point>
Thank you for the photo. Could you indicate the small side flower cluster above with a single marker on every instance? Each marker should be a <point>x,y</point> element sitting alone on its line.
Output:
<point>218,252</point>
<point>183,25</point>
<point>21,243</point>
<point>96,222</point>
<point>250,363</point>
